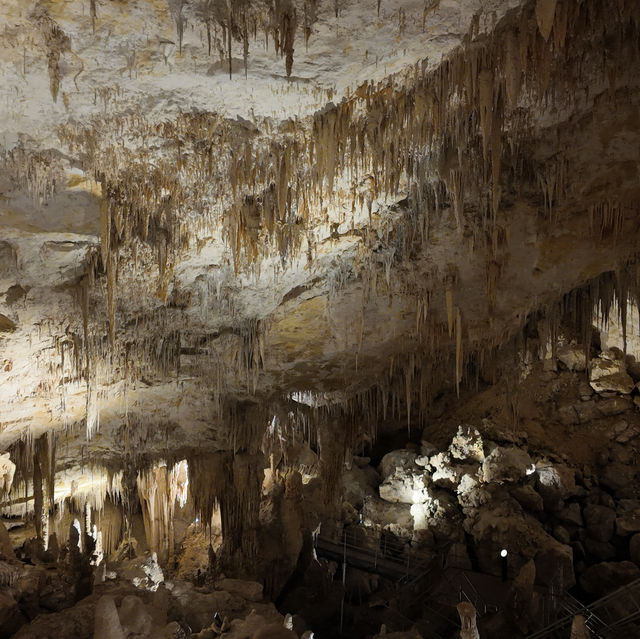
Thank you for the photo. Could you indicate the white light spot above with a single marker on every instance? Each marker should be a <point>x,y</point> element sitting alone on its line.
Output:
<point>503,552</point>
<point>531,469</point>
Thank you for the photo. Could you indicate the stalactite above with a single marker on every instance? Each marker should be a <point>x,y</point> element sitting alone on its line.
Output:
<point>459,359</point>
<point>545,13</point>
<point>450,315</point>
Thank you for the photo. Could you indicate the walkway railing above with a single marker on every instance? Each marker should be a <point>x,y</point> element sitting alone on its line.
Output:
<point>610,617</point>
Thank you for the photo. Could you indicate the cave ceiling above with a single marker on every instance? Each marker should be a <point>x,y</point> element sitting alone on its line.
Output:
<point>215,212</point>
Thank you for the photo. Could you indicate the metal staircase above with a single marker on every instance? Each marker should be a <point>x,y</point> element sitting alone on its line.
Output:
<point>614,616</point>
<point>420,578</point>
<point>391,559</point>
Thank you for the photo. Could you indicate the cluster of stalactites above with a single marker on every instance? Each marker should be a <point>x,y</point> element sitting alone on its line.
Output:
<point>262,184</point>
<point>159,489</point>
<point>54,498</point>
<point>266,187</point>
<point>368,146</point>
<point>241,20</point>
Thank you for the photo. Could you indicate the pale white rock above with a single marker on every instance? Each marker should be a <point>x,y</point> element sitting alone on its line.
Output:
<point>7,471</point>
<point>404,481</point>
<point>445,473</point>
<point>387,515</point>
<point>397,460</point>
<point>467,445</point>
<point>406,488</point>
<point>505,465</point>
<point>471,492</point>
<point>555,481</point>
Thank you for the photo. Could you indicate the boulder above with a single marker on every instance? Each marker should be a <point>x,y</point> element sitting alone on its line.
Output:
<point>628,517</point>
<point>134,617</point>
<point>571,514</point>
<point>200,607</point>
<point>599,521</point>
<point>248,590</point>
<point>77,622</point>
<point>561,534</point>
<point>471,492</point>
<point>599,550</point>
<point>274,631</point>
<point>634,549</point>
<point>440,514</point>
<point>106,624</point>
<point>605,577</point>
<point>143,572</point>
<point>528,498</point>
<point>402,459</point>
<point>586,411</point>
<point>503,524</point>
<point>405,486</point>
<point>467,445</point>
<point>555,482</point>
<point>392,516</point>
<point>572,357</point>
<point>614,406</point>
<point>618,477</point>
<point>554,565</point>
<point>266,624</point>
<point>607,375</point>
<point>358,483</point>
<point>446,473</point>
<point>505,465</point>
<point>171,630</point>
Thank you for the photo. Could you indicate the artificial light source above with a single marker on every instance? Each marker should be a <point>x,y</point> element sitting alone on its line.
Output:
<point>531,469</point>
<point>503,552</point>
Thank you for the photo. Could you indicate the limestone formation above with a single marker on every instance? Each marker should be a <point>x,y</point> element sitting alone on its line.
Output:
<point>107,623</point>
<point>579,629</point>
<point>469,629</point>
<point>285,279</point>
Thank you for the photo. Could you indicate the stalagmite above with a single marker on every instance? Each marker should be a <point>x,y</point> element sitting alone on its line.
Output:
<point>107,623</point>
<point>579,629</point>
<point>7,472</point>
<point>467,612</point>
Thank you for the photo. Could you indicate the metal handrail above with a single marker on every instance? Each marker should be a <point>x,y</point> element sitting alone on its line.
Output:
<point>595,623</point>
